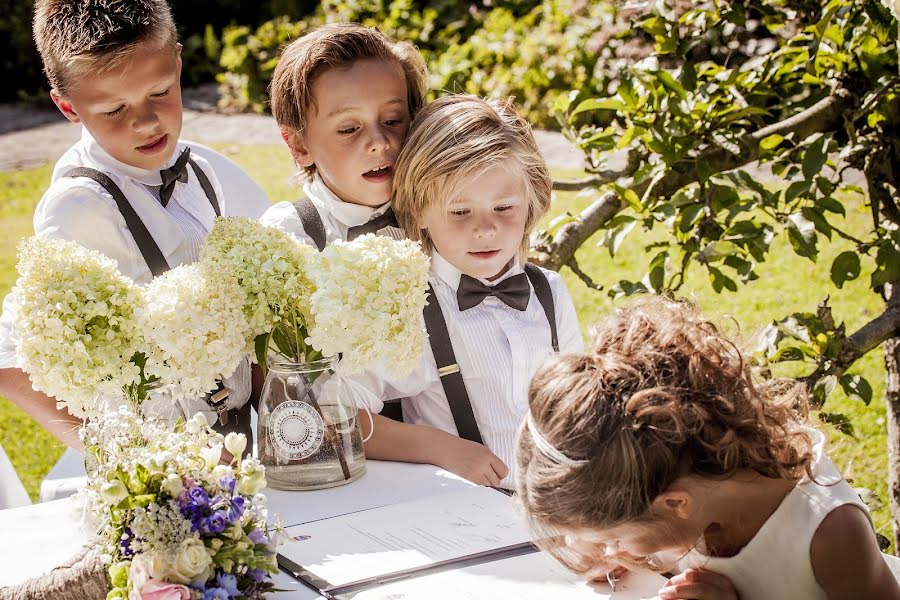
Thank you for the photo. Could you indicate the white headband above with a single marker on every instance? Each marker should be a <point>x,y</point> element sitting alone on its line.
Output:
<point>548,449</point>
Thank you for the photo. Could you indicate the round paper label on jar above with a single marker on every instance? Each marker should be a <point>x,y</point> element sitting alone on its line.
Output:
<point>295,429</point>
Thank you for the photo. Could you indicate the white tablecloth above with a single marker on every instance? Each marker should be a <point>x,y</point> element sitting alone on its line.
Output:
<point>36,538</point>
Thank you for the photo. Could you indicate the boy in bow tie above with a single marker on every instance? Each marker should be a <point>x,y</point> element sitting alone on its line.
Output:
<point>128,188</point>
<point>343,96</point>
<point>471,185</point>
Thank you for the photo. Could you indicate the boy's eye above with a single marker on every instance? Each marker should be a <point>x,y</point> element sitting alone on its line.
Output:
<point>113,113</point>
<point>459,212</point>
<point>161,94</point>
<point>347,131</point>
<point>504,208</point>
<point>392,122</point>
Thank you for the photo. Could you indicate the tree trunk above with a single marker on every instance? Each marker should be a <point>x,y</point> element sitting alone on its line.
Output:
<point>892,399</point>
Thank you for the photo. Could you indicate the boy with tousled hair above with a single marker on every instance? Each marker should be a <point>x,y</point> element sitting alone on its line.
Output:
<point>343,96</point>
<point>128,188</point>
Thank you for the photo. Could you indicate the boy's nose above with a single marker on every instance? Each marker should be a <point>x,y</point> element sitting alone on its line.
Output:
<point>485,227</point>
<point>379,142</point>
<point>145,120</point>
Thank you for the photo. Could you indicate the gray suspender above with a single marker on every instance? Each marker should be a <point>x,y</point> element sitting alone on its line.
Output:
<point>445,358</point>
<point>312,222</point>
<point>315,229</point>
<point>148,247</point>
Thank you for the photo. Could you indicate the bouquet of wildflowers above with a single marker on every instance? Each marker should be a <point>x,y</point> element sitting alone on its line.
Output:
<point>361,299</point>
<point>173,522</point>
<point>77,335</point>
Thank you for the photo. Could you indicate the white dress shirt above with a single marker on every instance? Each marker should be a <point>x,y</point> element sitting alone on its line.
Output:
<point>337,216</point>
<point>498,349</point>
<point>81,210</point>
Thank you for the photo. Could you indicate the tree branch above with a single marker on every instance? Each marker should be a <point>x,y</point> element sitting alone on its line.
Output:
<point>871,335</point>
<point>600,178</point>
<point>823,115</point>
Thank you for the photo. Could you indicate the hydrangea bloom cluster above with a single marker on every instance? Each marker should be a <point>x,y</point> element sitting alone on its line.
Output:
<point>268,264</point>
<point>193,318</point>
<point>368,302</point>
<point>77,335</point>
<point>171,519</point>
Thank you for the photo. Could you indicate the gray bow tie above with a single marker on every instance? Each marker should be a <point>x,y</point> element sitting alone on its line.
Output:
<point>177,172</point>
<point>513,291</point>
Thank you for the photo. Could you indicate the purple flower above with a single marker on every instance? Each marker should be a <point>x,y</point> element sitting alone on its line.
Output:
<point>198,497</point>
<point>236,510</point>
<point>125,542</point>
<point>214,523</point>
<point>215,593</point>
<point>227,482</point>
<point>257,536</point>
<point>228,582</point>
<point>257,575</point>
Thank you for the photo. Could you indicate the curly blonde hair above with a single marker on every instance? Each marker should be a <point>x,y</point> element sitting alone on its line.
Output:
<point>662,394</point>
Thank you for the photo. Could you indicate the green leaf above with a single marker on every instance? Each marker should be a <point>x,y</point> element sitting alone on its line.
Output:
<point>838,421</point>
<point>815,156</point>
<point>831,205</point>
<point>721,281</point>
<point>788,354</point>
<point>657,273</point>
<point>598,104</point>
<point>846,267</point>
<point>823,388</point>
<point>689,216</point>
<point>802,235</point>
<point>817,219</point>
<point>887,261</point>
<point>671,84</point>
<point>856,387</point>
<point>771,142</point>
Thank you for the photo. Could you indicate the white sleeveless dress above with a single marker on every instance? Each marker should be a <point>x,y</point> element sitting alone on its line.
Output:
<point>776,565</point>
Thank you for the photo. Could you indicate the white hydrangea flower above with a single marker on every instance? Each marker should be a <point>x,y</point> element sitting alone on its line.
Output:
<point>76,332</point>
<point>268,264</point>
<point>368,302</point>
<point>194,317</point>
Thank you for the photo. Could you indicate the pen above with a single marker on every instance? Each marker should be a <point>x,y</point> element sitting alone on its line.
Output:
<point>611,579</point>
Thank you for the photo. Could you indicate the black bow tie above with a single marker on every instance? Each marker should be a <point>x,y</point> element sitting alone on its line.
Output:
<point>513,291</point>
<point>386,219</point>
<point>177,172</point>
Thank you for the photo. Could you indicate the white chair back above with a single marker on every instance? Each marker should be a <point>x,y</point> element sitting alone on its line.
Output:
<point>12,492</point>
<point>243,196</point>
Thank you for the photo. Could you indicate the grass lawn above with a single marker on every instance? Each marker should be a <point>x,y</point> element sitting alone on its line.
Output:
<point>787,283</point>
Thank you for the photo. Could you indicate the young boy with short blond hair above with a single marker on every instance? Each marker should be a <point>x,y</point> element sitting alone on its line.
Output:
<point>129,188</point>
<point>343,96</point>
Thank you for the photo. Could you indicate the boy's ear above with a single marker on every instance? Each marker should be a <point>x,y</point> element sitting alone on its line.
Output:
<point>302,156</point>
<point>675,501</point>
<point>178,58</point>
<point>64,106</point>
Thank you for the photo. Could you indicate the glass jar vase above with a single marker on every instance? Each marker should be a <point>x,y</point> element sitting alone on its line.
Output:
<point>308,434</point>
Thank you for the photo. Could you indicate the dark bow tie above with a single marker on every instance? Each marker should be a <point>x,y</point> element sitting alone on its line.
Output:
<point>386,219</point>
<point>177,172</point>
<point>513,291</point>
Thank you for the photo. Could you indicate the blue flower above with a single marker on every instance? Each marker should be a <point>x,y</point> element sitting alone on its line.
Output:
<point>214,523</point>
<point>257,536</point>
<point>198,497</point>
<point>236,510</point>
<point>216,593</point>
<point>257,575</point>
<point>229,583</point>
<point>227,482</point>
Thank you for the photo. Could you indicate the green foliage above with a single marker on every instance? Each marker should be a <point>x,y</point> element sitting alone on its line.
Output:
<point>533,51</point>
<point>718,93</point>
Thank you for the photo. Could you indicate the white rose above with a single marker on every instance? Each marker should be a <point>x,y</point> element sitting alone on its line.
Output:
<point>192,562</point>
<point>172,485</point>
<point>236,443</point>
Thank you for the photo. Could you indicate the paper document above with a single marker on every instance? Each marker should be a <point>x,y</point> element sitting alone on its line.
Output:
<point>384,540</point>
<point>529,577</point>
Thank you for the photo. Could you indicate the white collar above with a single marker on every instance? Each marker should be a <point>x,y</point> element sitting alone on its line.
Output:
<point>109,164</point>
<point>450,275</point>
<point>347,213</point>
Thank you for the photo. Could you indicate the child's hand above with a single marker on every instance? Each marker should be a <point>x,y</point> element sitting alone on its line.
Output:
<point>698,584</point>
<point>472,461</point>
